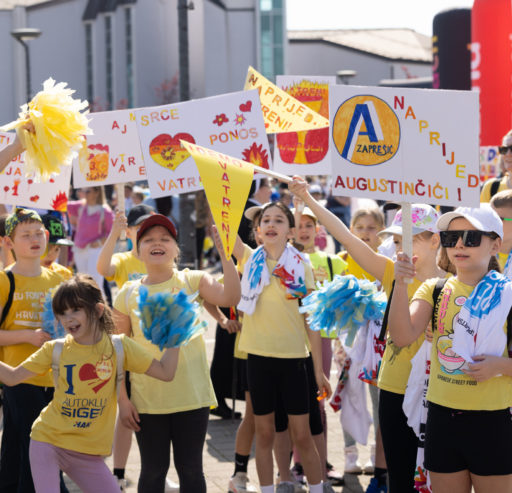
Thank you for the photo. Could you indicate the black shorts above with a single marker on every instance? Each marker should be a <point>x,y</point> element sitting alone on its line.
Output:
<point>315,419</point>
<point>479,441</point>
<point>242,373</point>
<point>271,379</point>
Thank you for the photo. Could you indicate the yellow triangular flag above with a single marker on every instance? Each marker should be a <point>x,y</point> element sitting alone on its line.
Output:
<point>282,112</point>
<point>226,182</point>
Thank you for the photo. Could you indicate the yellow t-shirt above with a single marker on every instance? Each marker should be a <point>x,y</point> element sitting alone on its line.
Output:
<point>485,194</point>
<point>276,328</point>
<point>127,268</point>
<point>191,387</point>
<point>502,260</point>
<point>448,385</point>
<point>82,413</point>
<point>396,361</point>
<point>26,313</point>
<point>355,269</point>
<point>321,272</point>
<point>64,272</point>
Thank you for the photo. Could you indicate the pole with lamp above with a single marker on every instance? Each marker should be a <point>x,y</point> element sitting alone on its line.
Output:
<point>23,35</point>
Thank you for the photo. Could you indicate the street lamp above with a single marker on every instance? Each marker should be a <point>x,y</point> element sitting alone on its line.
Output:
<point>23,35</point>
<point>345,75</point>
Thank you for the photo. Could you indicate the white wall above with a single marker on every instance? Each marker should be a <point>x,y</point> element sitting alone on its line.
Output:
<point>320,58</point>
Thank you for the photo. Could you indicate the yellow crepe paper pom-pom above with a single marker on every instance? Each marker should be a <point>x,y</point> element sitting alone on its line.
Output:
<point>59,129</point>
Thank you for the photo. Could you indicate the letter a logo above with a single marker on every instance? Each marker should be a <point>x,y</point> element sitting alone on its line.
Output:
<point>366,130</point>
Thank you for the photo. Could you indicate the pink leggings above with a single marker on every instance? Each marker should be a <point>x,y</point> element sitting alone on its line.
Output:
<point>89,472</point>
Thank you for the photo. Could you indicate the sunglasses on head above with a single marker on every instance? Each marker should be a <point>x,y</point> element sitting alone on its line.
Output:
<point>470,237</point>
<point>504,149</point>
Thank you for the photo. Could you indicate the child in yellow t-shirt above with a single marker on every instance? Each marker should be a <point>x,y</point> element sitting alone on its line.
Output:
<point>274,335</point>
<point>123,266</point>
<point>399,440</point>
<point>6,256</point>
<point>502,204</point>
<point>468,439</point>
<point>21,335</point>
<point>177,412</point>
<point>57,239</point>
<point>74,432</point>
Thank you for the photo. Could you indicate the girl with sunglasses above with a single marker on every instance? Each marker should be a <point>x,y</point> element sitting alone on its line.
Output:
<point>399,440</point>
<point>468,440</point>
<point>504,180</point>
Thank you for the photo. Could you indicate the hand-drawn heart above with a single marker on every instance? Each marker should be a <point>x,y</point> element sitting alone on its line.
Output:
<point>167,151</point>
<point>88,372</point>
<point>246,107</point>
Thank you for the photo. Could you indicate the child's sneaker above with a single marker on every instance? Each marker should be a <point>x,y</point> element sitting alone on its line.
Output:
<point>299,481</point>
<point>239,483</point>
<point>285,487</point>
<point>171,486</point>
<point>352,465</point>
<point>327,487</point>
<point>369,467</point>
<point>375,487</point>
<point>121,483</point>
<point>334,477</point>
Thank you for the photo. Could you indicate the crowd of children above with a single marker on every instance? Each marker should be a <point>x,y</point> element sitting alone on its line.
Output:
<point>61,396</point>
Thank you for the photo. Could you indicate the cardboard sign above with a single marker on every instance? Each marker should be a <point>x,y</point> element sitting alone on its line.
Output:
<point>489,162</point>
<point>405,145</point>
<point>27,191</point>
<point>305,153</point>
<point>282,112</point>
<point>230,123</point>
<point>226,182</point>
<point>112,154</point>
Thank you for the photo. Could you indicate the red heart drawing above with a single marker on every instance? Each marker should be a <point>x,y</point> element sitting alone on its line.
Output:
<point>246,107</point>
<point>88,372</point>
<point>167,151</point>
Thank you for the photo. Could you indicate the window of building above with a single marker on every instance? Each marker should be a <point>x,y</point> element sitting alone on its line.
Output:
<point>130,73</point>
<point>272,36</point>
<point>109,59</point>
<point>89,61</point>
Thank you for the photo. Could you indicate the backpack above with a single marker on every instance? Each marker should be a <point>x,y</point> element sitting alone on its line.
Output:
<point>495,185</point>
<point>118,348</point>
<point>10,296</point>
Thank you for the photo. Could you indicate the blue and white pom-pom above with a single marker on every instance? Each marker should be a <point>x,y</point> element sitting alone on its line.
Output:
<point>168,320</point>
<point>344,304</point>
<point>50,324</point>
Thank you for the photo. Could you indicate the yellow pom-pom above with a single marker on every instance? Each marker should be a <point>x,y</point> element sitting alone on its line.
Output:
<point>59,129</point>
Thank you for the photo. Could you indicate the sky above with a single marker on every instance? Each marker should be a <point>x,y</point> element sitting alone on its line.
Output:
<point>365,14</point>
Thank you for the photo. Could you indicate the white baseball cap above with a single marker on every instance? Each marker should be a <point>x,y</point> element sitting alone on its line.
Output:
<point>307,212</point>
<point>424,218</point>
<point>483,218</point>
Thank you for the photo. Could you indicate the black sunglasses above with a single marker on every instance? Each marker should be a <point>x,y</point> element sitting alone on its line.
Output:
<point>504,149</point>
<point>470,237</point>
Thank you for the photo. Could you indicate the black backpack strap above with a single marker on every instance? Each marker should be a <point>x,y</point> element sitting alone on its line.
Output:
<point>329,264</point>
<point>384,325</point>
<point>495,185</point>
<point>10,296</point>
<point>435,297</point>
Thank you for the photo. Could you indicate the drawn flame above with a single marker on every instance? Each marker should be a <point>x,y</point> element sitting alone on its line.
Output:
<point>256,155</point>
<point>60,202</point>
<point>306,90</point>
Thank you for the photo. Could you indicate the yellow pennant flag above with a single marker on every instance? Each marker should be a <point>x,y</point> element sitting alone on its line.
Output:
<point>282,112</point>
<point>227,182</point>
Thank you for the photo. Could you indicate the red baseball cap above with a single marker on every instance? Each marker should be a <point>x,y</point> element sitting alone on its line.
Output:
<point>157,220</point>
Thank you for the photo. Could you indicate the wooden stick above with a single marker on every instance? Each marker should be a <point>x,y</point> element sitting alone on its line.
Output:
<point>407,232</point>
<point>274,174</point>
<point>120,205</point>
